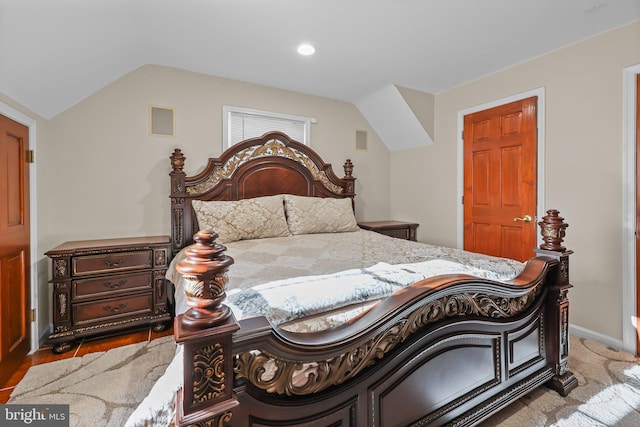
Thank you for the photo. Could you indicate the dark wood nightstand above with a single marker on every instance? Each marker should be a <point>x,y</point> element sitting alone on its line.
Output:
<point>103,286</point>
<point>399,229</point>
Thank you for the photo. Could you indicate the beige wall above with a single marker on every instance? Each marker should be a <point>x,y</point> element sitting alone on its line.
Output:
<point>583,163</point>
<point>423,106</point>
<point>102,175</point>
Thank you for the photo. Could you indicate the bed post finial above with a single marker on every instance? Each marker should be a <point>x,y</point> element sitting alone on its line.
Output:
<point>177,160</point>
<point>552,228</point>
<point>348,168</point>
<point>205,331</point>
<point>205,270</point>
<point>349,188</point>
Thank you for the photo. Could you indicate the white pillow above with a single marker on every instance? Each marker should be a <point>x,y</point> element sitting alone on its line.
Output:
<point>308,215</point>
<point>255,218</point>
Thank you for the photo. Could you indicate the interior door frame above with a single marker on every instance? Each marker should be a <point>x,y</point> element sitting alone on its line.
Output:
<point>540,113</point>
<point>15,115</point>
<point>629,334</point>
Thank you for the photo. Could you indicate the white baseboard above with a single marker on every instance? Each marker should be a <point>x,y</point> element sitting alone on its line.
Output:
<point>42,338</point>
<point>581,332</point>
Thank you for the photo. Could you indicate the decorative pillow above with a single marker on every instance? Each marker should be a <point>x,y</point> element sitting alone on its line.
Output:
<point>255,218</point>
<point>308,215</point>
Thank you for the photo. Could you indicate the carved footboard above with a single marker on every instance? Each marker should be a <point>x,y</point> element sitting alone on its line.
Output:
<point>447,350</point>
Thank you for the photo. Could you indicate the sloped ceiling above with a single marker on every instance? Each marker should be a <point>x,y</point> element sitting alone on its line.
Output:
<point>55,53</point>
<point>390,115</point>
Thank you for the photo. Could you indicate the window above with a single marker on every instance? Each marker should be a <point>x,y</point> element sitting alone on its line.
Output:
<point>239,124</point>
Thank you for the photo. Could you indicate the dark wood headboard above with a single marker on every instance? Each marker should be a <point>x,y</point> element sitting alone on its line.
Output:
<point>268,165</point>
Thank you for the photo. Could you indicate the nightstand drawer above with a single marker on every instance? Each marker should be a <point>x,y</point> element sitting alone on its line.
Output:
<point>102,263</point>
<point>400,233</point>
<point>398,229</point>
<point>112,308</point>
<point>100,286</point>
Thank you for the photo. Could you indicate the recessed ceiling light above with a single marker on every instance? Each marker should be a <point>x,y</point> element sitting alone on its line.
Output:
<point>306,49</point>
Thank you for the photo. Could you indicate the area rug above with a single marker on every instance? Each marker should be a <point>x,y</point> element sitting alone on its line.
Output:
<point>103,388</point>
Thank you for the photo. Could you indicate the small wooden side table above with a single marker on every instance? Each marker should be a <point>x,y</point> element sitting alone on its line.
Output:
<point>399,229</point>
<point>105,286</point>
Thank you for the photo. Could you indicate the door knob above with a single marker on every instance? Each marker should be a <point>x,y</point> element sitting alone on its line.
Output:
<point>526,218</point>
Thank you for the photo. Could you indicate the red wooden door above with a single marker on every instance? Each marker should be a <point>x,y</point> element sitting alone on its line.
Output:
<point>14,247</point>
<point>500,180</point>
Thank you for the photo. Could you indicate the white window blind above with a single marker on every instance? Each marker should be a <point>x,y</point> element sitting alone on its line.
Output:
<point>243,123</point>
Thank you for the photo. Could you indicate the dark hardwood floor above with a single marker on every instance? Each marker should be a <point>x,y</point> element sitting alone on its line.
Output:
<point>45,355</point>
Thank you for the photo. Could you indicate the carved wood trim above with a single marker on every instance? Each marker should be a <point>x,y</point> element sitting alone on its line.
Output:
<point>272,147</point>
<point>159,257</point>
<point>336,370</point>
<point>61,268</point>
<point>220,180</point>
<point>220,420</point>
<point>60,331</point>
<point>208,372</point>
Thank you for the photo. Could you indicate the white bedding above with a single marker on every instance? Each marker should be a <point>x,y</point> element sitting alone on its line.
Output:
<point>260,261</point>
<point>370,266</point>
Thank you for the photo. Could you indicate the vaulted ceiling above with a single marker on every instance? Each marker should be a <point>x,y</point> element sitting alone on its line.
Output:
<point>54,53</point>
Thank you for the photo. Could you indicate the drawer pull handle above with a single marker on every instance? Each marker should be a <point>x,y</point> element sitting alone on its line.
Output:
<point>114,309</point>
<point>114,264</point>
<point>115,285</point>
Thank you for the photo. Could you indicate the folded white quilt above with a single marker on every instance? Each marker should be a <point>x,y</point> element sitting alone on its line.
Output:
<point>285,300</point>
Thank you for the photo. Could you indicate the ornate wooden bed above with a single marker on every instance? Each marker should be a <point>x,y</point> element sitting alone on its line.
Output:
<point>449,350</point>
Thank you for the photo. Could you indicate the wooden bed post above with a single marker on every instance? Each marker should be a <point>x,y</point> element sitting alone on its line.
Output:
<point>205,331</point>
<point>349,188</point>
<point>349,182</point>
<point>553,228</point>
<point>178,197</point>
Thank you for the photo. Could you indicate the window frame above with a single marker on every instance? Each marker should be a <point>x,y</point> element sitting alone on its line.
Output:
<point>229,111</point>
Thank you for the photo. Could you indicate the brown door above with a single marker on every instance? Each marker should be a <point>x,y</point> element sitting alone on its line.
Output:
<point>500,165</point>
<point>14,246</point>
